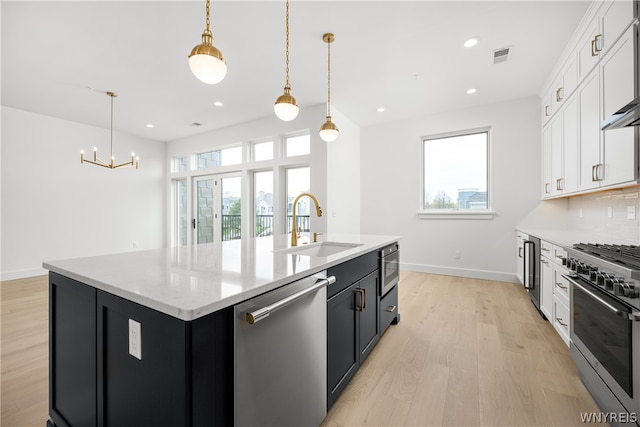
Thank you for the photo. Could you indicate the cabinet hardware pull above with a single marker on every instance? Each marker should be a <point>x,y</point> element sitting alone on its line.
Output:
<point>546,110</point>
<point>546,249</point>
<point>546,188</point>
<point>560,285</point>
<point>595,172</point>
<point>391,308</point>
<point>544,262</point>
<point>559,91</point>
<point>361,294</point>
<point>595,49</point>
<point>559,320</point>
<point>559,184</point>
<point>520,252</point>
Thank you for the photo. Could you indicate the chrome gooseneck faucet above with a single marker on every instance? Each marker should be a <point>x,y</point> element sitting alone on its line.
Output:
<point>294,228</point>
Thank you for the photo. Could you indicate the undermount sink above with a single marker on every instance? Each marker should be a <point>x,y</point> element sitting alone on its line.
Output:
<point>322,249</point>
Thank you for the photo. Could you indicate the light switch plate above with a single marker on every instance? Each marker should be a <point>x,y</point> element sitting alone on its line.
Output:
<point>631,212</point>
<point>135,339</point>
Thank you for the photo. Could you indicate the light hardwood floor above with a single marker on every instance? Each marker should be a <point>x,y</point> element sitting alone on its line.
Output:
<point>466,352</point>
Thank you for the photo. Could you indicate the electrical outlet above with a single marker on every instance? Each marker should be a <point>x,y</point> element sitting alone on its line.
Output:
<point>135,339</point>
<point>458,255</point>
<point>135,244</point>
<point>609,212</point>
<point>631,212</point>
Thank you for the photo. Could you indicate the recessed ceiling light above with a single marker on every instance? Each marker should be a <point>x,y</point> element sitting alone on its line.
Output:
<point>470,91</point>
<point>218,104</point>
<point>380,109</point>
<point>471,42</point>
<point>149,125</point>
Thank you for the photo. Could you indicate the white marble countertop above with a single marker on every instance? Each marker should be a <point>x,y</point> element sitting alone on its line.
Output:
<point>191,282</point>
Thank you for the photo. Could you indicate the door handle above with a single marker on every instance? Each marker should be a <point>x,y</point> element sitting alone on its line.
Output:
<point>193,223</point>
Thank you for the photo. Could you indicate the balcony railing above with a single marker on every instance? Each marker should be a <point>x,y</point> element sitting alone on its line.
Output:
<point>231,225</point>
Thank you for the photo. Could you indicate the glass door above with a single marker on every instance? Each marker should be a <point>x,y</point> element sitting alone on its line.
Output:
<point>217,208</point>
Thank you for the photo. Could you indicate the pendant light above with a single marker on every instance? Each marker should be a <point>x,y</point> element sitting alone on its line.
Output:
<point>206,62</point>
<point>286,107</point>
<point>135,161</point>
<point>328,131</point>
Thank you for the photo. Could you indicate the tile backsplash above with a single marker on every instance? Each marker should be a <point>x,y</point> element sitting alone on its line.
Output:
<point>607,214</point>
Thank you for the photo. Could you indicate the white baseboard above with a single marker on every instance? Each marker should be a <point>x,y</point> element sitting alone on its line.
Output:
<point>460,272</point>
<point>22,274</point>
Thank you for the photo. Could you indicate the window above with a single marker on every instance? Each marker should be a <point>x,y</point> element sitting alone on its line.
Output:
<point>262,151</point>
<point>179,164</point>
<point>181,212</point>
<point>298,145</point>
<point>225,157</point>
<point>455,172</point>
<point>263,203</point>
<point>298,181</point>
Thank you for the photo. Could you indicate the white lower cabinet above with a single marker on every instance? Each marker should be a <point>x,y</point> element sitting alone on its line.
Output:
<point>546,279</point>
<point>560,319</point>
<point>554,301</point>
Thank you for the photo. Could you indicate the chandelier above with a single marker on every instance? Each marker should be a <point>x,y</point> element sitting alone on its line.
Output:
<point>111,164</point>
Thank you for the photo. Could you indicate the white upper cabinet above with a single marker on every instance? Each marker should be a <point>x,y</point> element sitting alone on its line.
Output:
<point>589,48</point>
<point>618,85</point>
<point>589,125</point>
<point>615,18</point>
<point>593,81</point>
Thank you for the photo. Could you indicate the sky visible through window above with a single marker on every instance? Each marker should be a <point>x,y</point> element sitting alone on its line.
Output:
<point>455,168</point>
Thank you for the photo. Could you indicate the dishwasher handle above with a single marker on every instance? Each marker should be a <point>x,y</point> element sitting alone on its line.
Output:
<point>259,314</point>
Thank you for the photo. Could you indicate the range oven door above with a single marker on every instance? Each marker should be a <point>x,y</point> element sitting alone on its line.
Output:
<point>607,333</point>
<point>389,267</point>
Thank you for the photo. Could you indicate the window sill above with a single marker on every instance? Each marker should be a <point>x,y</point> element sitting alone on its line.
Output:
<point>456,215</point>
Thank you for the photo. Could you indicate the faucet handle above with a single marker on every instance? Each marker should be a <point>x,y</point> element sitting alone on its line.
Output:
<point>315,237</point>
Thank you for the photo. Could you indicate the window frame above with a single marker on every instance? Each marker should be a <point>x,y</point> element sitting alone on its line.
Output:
<point>487,213</point>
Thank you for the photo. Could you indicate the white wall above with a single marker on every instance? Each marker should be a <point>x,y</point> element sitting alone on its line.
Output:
<point>390,198</point>
<point>334,166</point>
<point>53,207</point>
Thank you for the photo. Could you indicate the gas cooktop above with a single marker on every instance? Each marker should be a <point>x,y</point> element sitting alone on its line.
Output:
<point>624,255</point>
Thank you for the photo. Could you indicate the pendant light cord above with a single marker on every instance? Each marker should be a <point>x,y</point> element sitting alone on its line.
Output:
<point>207,13</point>
<point>287,44</point>
<point>112,95</point>
<point>329,79</point>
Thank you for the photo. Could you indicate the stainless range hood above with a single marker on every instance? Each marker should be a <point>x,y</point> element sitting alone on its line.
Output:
<point>629,115</point>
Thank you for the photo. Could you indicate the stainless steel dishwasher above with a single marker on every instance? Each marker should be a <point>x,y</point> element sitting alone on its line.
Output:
<point>281,355</point>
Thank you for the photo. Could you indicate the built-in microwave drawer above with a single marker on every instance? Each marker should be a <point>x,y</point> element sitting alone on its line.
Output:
<point>388,309</point>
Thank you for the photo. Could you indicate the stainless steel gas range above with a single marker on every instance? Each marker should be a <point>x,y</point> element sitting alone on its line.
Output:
<point>605,326</point>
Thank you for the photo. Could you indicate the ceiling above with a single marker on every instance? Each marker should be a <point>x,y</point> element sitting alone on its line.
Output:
<point>59,57</point>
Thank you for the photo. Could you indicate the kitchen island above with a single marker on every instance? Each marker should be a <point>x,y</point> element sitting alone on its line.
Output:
<point>147,337</point>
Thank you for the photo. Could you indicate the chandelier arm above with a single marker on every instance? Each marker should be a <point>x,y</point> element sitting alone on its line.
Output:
<point>98,163</point>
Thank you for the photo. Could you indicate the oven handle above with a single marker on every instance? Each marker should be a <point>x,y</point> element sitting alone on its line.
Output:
<point>635,316</point>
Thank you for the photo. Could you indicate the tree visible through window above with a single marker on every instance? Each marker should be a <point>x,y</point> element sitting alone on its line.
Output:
<point>455,171</point>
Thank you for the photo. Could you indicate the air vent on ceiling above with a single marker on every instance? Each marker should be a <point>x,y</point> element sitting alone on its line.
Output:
<point>502,54</point>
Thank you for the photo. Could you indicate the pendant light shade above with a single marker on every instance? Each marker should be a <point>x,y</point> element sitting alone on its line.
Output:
<point>329,131</point>
<point>286,107</point>
<point>206,62</point>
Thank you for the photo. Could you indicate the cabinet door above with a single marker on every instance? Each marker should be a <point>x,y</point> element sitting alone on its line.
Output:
<point>342,340</point>
<point>589,48</point>
<point>520,238</point>
<point>546,161</point>
<point>617,15</point>
<point>369,315</point>
<point>570,142</point>
<point>546,287</point>
<point>72,352</point>
<point>557,177</point>
<point>589,123</point>
<point>618,85</point>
